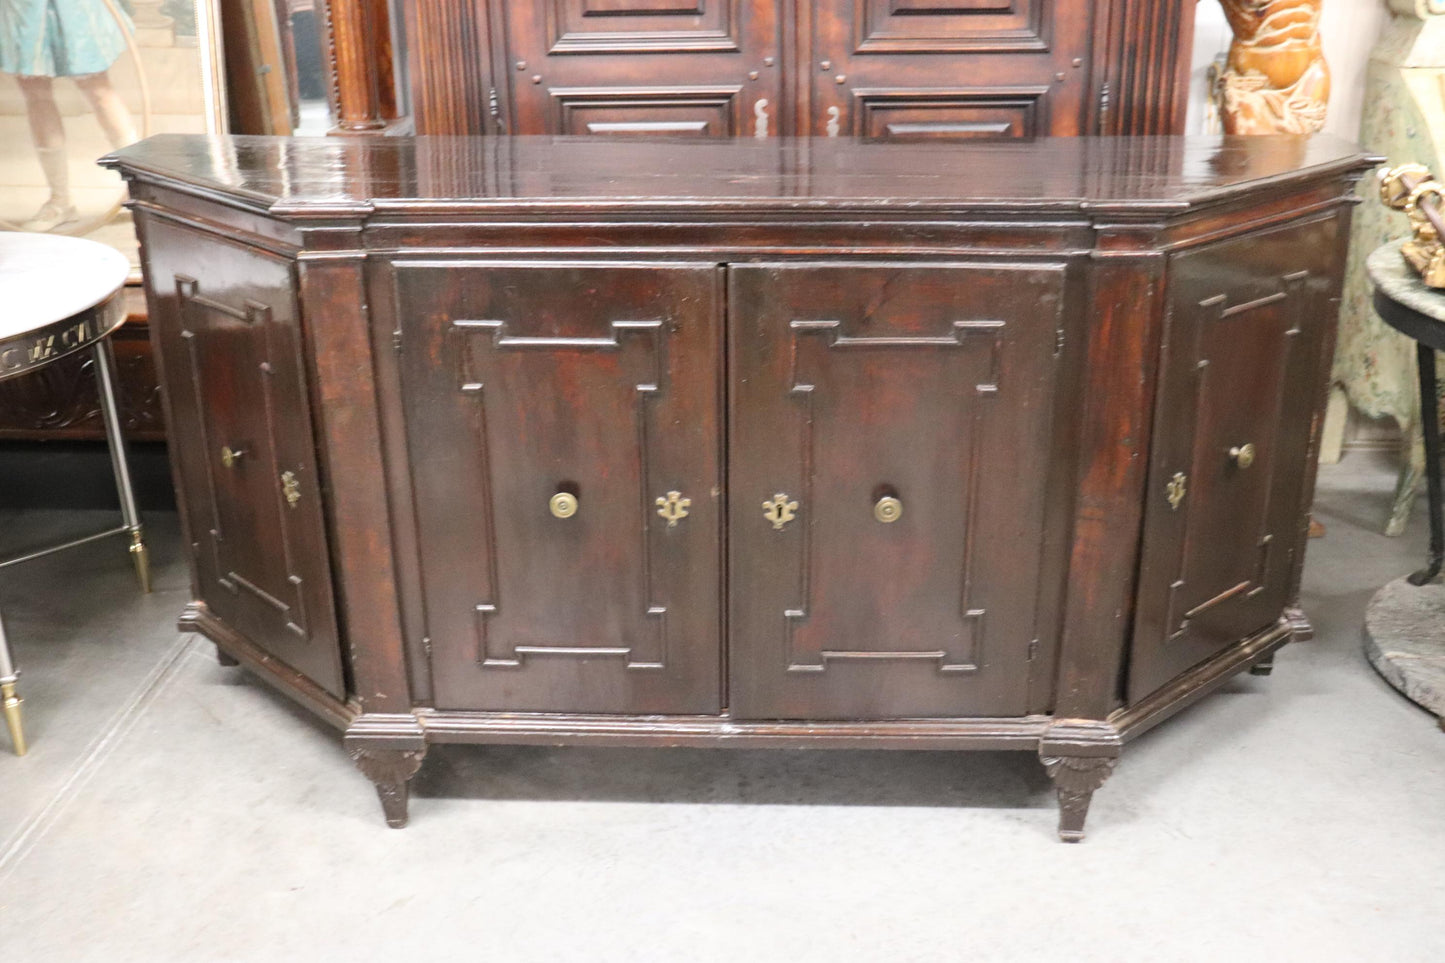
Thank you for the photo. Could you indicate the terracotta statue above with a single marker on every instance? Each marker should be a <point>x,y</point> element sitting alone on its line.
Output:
<point>1276,80</point>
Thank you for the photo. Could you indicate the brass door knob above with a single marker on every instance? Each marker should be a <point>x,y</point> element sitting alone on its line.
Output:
<point>1242,455</point>
<point>887,509</point>
<point>230,456</point>
<point>563,505</point>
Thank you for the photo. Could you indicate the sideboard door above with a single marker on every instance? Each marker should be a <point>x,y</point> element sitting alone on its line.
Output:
<point>1241,382</point>
<point>227,327</point>
<point>889,446</point>
<point>563,427</point>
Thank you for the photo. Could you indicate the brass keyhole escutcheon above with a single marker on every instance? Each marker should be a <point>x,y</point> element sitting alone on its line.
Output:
<point>1174,491</point>
<point>563,505</point>
<point>888,509</point>
<point>779,510</point>
<point>673,507</point>
<point>230,456</point>
<point>1243,455</point>
<point>290,488</point>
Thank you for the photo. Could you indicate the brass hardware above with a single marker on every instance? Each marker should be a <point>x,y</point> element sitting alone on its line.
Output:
<point>141,559</point>
<point>11,704</point>
<point>673,507</point>
<point>840,79</point>
<point>779,510</point>
<point>291,488</point>
<point>1175,490</point>
<point>230,456</point>
<point>1243,455</point>
<point>563,505</point>
<point>887,509</point>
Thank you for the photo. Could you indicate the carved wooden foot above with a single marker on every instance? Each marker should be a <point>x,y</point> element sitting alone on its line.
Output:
<point>1075,779</point>
<point>1078,755</point>
<point>1264,666</point>
<point>388,749</point>
<point>225,658</point>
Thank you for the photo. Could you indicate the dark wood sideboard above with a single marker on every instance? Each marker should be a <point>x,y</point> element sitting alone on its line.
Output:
<point>807,443</point>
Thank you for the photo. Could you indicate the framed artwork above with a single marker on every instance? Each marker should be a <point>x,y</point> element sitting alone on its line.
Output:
<point>82,77</point>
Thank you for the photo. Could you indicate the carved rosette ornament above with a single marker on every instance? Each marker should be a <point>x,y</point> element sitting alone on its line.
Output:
<point>1275,80</point>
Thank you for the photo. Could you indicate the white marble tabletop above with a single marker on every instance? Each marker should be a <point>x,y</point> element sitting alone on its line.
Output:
<point>1398,281</point>
<point>46,278</point>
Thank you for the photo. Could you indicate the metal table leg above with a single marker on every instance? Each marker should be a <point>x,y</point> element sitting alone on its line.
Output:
<point>9,701</point>
<point>119,458</point>
<point>1430,425</point>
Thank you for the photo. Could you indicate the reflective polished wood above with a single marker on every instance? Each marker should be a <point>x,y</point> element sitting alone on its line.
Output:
<point>823,442</point>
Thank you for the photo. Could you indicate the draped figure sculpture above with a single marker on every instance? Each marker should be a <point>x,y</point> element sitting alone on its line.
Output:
<point>1275,80</point>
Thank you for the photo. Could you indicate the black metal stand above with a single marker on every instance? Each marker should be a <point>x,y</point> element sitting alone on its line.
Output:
<point>1430,424</point>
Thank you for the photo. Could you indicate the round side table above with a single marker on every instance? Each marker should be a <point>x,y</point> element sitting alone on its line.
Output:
<point>60,295</point>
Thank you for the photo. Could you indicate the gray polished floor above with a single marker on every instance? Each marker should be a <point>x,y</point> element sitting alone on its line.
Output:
<point>171,809</point>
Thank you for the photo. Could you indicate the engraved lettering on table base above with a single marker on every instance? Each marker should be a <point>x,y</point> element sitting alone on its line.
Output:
<point>1292,284</point>
<point>256,316</point>
<point>963,334</point>
<point>644,656</point>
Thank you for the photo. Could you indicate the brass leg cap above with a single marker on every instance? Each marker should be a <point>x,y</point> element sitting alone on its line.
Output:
<point>11,705</point>
<point>142,561</point>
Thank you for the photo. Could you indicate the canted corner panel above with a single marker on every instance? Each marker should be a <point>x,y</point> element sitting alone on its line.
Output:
<point>642,26</point>
<point>949,114</point>
<point>702,111</point>
<point>986,335</point>
<point>1214,311</point>
<point>949,26</point>
<point>256,317</point>
<point>483,344</point>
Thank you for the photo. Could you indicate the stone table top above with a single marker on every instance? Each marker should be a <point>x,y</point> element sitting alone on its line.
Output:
<point>45,278</point>
<point>1395,279</point>
<point>1405,641</point>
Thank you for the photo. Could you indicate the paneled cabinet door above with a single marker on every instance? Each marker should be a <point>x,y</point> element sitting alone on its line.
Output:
<point>1241,378</point>
<point>229,340</point>
<point>949,69</point>
<point>683,67</point>
<point>889,439</point>
<point>563,425</point>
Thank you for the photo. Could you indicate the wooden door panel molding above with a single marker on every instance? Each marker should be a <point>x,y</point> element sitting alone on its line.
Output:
<point>1217,561</point>
<point>531,606</point>
<point>643,26</point>
<point>842,375</point>
<point>950,26</point>
<point>230,334</point>
<point>704,111</point>
<point>929,113</point>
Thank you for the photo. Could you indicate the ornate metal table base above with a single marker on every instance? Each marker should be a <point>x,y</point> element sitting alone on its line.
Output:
<point>26,347</point>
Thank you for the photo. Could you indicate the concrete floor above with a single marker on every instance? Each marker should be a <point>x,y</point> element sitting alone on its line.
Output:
<point>174,810</point>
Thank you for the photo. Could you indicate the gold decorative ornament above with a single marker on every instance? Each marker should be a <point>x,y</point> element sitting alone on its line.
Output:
<point>1413,190</point>
<point>1242,455</point>
<point>563,505</point>
<point>779,510</point>
<point>888,509</point>
<point>230,456</point>
<point>1174,491</point>
<point>673,507</point>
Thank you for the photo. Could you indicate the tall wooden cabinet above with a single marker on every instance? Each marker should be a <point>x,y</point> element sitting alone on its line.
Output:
<point>774,442</point>
<point>892,69</point>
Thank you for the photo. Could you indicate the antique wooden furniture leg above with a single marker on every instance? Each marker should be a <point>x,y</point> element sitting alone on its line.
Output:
<point>9,701</point>
<point>1264,666</point>
<point>388,749</point>
<point>1078,755</point>
<point>119,459</point>
<point>1430,424</point>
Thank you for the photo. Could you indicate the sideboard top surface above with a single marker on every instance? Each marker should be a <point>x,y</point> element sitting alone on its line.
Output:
<point>309,177</point>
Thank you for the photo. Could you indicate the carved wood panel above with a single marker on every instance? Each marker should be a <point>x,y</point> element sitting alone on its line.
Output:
<point>1227,477</point>
<point>699,67</point>
<point>590,382</point>
<point>245,455</point>
<point>930,386</point>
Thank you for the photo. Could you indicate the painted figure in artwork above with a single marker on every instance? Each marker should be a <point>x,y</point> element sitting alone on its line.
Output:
<point>1276,80</point>
<point>41,40</point>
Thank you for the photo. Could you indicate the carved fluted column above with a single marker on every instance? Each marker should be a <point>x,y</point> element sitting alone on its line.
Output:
<point>1276,79</point>
<point>358,49</point>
